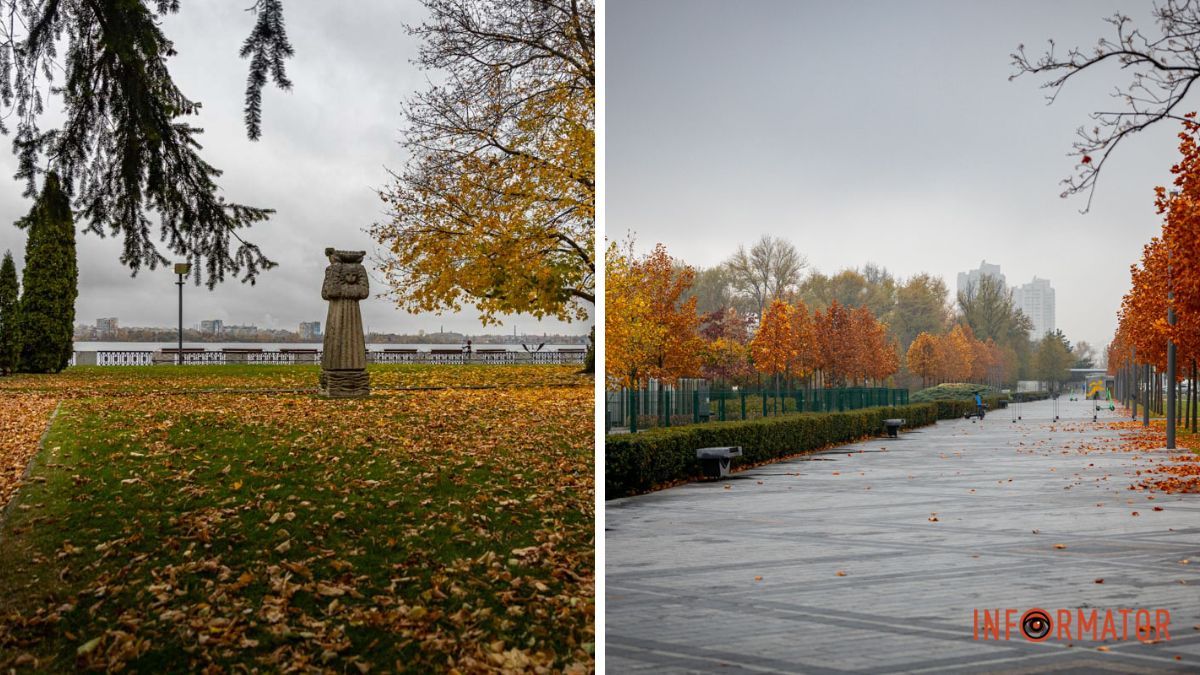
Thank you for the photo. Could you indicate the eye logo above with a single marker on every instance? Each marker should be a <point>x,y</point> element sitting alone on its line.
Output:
<point>1035,625</point>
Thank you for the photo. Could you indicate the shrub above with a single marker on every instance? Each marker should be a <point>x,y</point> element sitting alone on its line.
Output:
<point>951,391</point>
<point>640,462</point>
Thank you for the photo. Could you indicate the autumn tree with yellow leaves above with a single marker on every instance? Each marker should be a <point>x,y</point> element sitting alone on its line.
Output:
<point>496,207</point>
<point>650,330</point>
<point>774,346</point>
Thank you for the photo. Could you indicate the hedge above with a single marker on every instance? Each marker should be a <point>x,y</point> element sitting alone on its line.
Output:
<point>640,462</point>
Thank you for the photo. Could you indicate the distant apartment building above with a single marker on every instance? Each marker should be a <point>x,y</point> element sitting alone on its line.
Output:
<point>212,327</point>
<point>1036,300</point>
<point>106,326</point>
<point>970,279</point>
<point>241,331</point>
<point>310,330</point>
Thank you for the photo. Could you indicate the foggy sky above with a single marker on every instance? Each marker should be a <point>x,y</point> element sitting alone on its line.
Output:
<point>325,150</point>
<point>883,132</point>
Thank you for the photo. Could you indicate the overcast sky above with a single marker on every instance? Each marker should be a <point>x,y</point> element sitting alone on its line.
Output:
<point>883,132</point>
<point>325,149</point>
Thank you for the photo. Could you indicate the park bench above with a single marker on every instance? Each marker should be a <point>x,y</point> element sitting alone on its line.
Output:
<point>169,355</point>
<point>893,427</point>
<point>299,354</point>
<point>715,461</point>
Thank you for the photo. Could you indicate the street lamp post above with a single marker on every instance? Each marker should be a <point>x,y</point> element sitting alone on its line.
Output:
<point>1146,397</point>
<point>181,269</point>
<point>1133,390</point>
<point>1171,389</point>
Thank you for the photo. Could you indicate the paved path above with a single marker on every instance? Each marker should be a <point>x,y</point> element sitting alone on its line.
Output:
<point>683,593</point>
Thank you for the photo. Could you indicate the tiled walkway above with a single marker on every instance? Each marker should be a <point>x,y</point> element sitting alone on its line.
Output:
<point>701,578</point>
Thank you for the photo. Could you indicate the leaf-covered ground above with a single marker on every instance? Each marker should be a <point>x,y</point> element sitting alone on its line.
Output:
<point>416,530</point>
<point>89,380</point>
<point>23,418</point>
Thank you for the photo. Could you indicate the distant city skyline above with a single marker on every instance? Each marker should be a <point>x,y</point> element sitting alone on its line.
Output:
<point>110,328</point>
<point>1035,299</point>
<point>970,279</point>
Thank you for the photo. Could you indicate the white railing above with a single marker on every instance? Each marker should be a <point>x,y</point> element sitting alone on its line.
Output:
<point>147,358</point>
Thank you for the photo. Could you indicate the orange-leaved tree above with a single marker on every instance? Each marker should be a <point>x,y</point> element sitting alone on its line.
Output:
<point>774,347</point>
<point>922,357</point>
<point>650,331</point>
<point>834,343</point>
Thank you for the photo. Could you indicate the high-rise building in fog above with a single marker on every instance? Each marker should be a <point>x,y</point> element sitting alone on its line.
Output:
<point>212,326</point>
<point>106,326</point>
<point>310,330</point>
<point>970,279</point>
<point>1036,300</point>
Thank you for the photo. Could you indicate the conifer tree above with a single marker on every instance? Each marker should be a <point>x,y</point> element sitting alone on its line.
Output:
<point>10,346</point>
<point>125,147</point>
<point>50,282</point>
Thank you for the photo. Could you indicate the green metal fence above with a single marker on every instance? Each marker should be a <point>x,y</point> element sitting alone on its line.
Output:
<point>634,410</point>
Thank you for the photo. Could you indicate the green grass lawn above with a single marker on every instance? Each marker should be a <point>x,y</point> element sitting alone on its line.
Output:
<point>414,530</point>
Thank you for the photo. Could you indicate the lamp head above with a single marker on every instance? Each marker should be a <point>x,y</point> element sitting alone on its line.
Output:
<point>183,269</point>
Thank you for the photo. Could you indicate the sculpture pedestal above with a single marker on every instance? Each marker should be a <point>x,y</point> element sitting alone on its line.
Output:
<point>345,383</point>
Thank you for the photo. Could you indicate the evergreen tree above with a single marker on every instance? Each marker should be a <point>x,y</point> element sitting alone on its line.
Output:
<point>125,147</point>
<point>50,284</point>
<point>10,346</point>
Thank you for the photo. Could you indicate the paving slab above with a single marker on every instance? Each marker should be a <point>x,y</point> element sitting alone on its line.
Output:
<point>742,575</point>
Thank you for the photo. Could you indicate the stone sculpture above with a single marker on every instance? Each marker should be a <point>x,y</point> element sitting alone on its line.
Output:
<point>344,362</point>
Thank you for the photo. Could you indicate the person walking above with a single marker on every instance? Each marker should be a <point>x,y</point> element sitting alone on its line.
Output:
<point>979,405</point>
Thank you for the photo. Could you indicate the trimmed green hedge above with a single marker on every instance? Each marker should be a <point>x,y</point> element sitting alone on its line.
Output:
<point>958,408</point>
<point>640,462</point>
<point>951,391</point>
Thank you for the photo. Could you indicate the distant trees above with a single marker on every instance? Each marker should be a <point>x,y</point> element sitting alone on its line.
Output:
<point>959,356</point>
<point>988,308</point>
<point>1053,359</point>
<point>771,269</point>
<point>726,355</point>
<point>10,344</point>
<point>874,288</point>
<point>921,307</point>
<point>851,346</point>
<point>50,282</point>
<point>1085,355</point>
<point>713,290</point>
<point>856,327</point>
